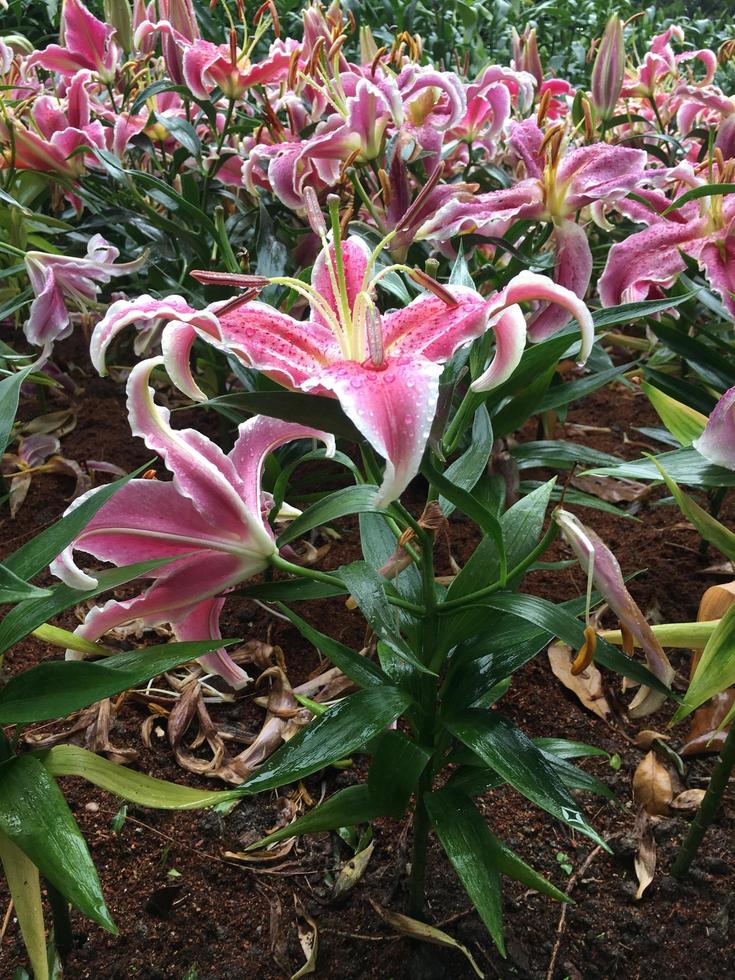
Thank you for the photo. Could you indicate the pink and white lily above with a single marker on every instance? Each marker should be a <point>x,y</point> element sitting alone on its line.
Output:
<point>717,442</point>
<point>557,186</point>
<point>649,261</point>
<point>383,368</point>
<point>88,43</point>
<point>208,518</point>
<point>58,278</point>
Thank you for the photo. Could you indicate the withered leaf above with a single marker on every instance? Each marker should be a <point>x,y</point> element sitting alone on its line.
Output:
<point>689,801</point>
<point>587,686</point>
<point>308,937</point>
<point>425,933</point>
<point>703,735</point>
<point>645,858</point>
<point>645,739</point>
<point>652,786</point>
<point>351,872</point>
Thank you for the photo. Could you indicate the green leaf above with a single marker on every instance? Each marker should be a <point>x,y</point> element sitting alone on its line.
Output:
<point>704,190</point>
<point>183,132</point>
<point>24,886</point>
<point>523,405</point>
<point>9,395</point>
<point>14,589</point>
<point>344,729</point>
<point>340,503</point>
<point>291,406</point>
<point>346,808</point>
<point>26,616</point>
<point>685,466</point>
<point>684,423</point>
<point>564,394</point>
<point>378,545</point>
<point>707,361</point>
<point>716,668</point>
<point>56,688</point>
<point>367,588</point>
<point>708,526</point>
<point>34,556</point>
<point>468,844</point>
<point>397,763</point>
<point>467,470</point>
<point>36,818</point>
<point>294,590</point>
<point>569,629</point>
<point>558,454</point>
<point>471,506</point>
<point>505,748</point>
<point>627,312</point>
<point>71,760</point>
<point>359,669</point>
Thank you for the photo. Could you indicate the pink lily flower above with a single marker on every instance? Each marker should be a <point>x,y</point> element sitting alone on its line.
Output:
<point>717,442</point>
<point>25,149</point>
<point>383,369</point>
<point>56,278</point>
<point>88,43</point>
<point>555,189</point>
<point>649,261</point>
<point>604,572</point>
<point>209,519</point>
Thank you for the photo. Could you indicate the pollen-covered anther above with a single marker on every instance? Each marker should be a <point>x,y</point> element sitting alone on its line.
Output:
<point>426,281</point>
<point>374,331</point>
<point>586,652</point>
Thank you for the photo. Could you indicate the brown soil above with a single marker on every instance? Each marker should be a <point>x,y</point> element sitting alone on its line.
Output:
<point>226,921</point>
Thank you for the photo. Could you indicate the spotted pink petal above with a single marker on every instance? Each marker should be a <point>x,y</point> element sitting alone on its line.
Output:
<point>202,623</point>
<point>486,214</point>
<point>143,310</point>
<point>48,318</point>
<point>259,436</point>
<point>289,351</point>
<point>429,328</point>
<point>648,260</point>
<point>600,172</point>
<point>393,407</point>
<point>717,442</point>
<point>716,257</point>
<point>510,342</point>
<point>200,469</point>
<point>529,286</point>
<point>355,257</point>
<point>573,271</point>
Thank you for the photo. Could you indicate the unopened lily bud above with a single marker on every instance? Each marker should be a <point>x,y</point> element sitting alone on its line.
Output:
<point>609,68</point>
<point>120,16</point>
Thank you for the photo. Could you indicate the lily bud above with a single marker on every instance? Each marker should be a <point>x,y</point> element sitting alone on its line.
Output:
<point>602,566</point>
<point>119,15</point>
<point>607,74</point>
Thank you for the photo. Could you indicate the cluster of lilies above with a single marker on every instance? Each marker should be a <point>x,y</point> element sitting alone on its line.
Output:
<point>375,156</point>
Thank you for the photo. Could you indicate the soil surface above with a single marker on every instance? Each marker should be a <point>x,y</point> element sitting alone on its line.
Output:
<point>185,910</point>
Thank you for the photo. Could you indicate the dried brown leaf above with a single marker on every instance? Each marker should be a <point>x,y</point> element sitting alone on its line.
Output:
<point>268,855</point>
<point>689,801</point>
<point>308,937</point>
<point>587,686</point>
<point>645,739</point>
<point>645,858</point>
<point>610,489</point>
<point>652,786</point>
<point>351,872</point>
<point>423,932</point>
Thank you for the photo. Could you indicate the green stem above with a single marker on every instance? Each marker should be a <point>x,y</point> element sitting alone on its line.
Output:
<point>417,883</point>
<point>63,937</point>
<point>519,569</point>
<point>708,808</point>
<point>315,575</point>
<point>455,430</point>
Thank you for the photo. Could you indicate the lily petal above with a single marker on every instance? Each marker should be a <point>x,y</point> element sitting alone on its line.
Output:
<point>510,342</point>
<point>717,442</point>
